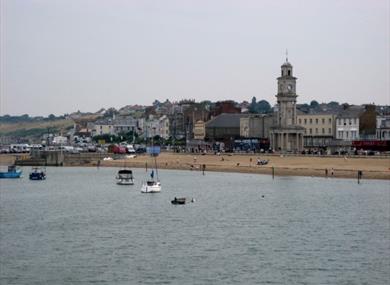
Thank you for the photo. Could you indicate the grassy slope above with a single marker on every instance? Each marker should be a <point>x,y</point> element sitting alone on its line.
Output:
<point>33,128</point>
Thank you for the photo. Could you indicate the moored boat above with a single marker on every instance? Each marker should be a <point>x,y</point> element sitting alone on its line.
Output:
<point>179,201</point>
<point>37,173</point>
<point>125,177</point>
<point>151,186</point>
<point>13,172</point>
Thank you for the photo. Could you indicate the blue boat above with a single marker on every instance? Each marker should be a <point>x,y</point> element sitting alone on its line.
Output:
<point>12,172</point>
<point>37,174</point>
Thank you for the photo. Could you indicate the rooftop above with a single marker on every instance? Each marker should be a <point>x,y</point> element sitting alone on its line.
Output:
<point>226,120</point>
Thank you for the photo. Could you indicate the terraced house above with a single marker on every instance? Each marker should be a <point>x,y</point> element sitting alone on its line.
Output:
<point>356,122</point>
<point>319,127</point>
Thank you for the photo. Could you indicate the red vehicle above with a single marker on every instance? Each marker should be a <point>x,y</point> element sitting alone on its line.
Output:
<point>117,149</point>
<point>375,145</point>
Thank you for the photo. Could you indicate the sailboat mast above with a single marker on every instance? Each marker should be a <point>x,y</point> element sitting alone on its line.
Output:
<point>155,163</point>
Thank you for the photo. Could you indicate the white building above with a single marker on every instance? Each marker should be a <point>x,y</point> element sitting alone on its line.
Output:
<point>156,127</point>
<point>383,127</point>
<point>151,127</point>
<point>164,127</point>
<point>60,140</point>
<point>347,123</point>
<point>103,127</point>
<point>124,124</point>
<point>114,126</point>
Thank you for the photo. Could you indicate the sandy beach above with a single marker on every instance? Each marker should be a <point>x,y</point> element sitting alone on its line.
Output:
<point>373,168</point>
<point>341,167</point>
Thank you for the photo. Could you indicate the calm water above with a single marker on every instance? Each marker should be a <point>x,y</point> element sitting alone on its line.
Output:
<point>79,227</point>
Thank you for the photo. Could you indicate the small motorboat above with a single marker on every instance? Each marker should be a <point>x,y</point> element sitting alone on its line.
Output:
<point>37,174</point>
<point>179,201</point>
<point>125,177</point>
<point>13,172</point>
<point>151,186</point>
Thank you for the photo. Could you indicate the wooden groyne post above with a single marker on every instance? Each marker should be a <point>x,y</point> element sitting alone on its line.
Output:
<point>273,172</point>
<point>359,175</point>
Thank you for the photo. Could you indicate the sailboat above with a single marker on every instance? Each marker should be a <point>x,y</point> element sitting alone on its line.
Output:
<point>152,185</point>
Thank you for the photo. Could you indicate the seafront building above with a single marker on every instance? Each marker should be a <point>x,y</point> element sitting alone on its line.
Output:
<point>286,134</point>
<point>319,128</point>
<point>356,122</point>
<point>224,128</point>
<point>256,126</point>
<point>383,127</point>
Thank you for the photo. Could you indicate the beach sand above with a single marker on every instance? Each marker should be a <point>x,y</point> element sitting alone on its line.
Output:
<point>372,167</point>
<point>341,167</point>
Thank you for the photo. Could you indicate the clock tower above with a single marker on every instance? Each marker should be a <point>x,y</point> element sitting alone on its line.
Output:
<point>286,135</point>
<point>286,97</point>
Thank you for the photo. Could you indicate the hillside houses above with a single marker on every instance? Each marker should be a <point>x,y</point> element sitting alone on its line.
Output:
<point>197,123</point>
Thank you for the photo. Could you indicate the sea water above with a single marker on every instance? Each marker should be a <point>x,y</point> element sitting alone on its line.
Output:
<point>79,227</point>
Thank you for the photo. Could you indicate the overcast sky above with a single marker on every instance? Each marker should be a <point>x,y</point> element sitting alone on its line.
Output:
<point>63,56</point>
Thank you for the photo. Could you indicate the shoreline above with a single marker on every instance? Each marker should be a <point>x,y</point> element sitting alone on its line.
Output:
<point>263,170</point>
<point>342,167</point>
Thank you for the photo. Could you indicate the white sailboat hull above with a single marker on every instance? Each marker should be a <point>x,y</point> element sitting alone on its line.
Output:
<point>149,187</point>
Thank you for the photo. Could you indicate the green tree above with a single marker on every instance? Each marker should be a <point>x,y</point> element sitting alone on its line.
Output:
<point>314,104</point>
<point>252,105</point>
<point>263,107</point>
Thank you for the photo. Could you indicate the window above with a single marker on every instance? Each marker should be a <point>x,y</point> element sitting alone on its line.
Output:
<point>289,72</point>
<point>323,120</point>
<point>300,121</point>
<point>316,131</point>
<point>316,121</point>
<point>345,122</point>
<point>305,121</point>
<point>310,131</point>
<point>346,134</point>
<point>329,131</point>
<point>323,130</point>
<point>282,73</point>
<point>305,131</point>
<point>329,120</point>
<point>311,121</point>
<point>350,121</point>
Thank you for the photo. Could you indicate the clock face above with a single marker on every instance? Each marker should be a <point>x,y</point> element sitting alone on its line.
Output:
<point>289,87</point>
